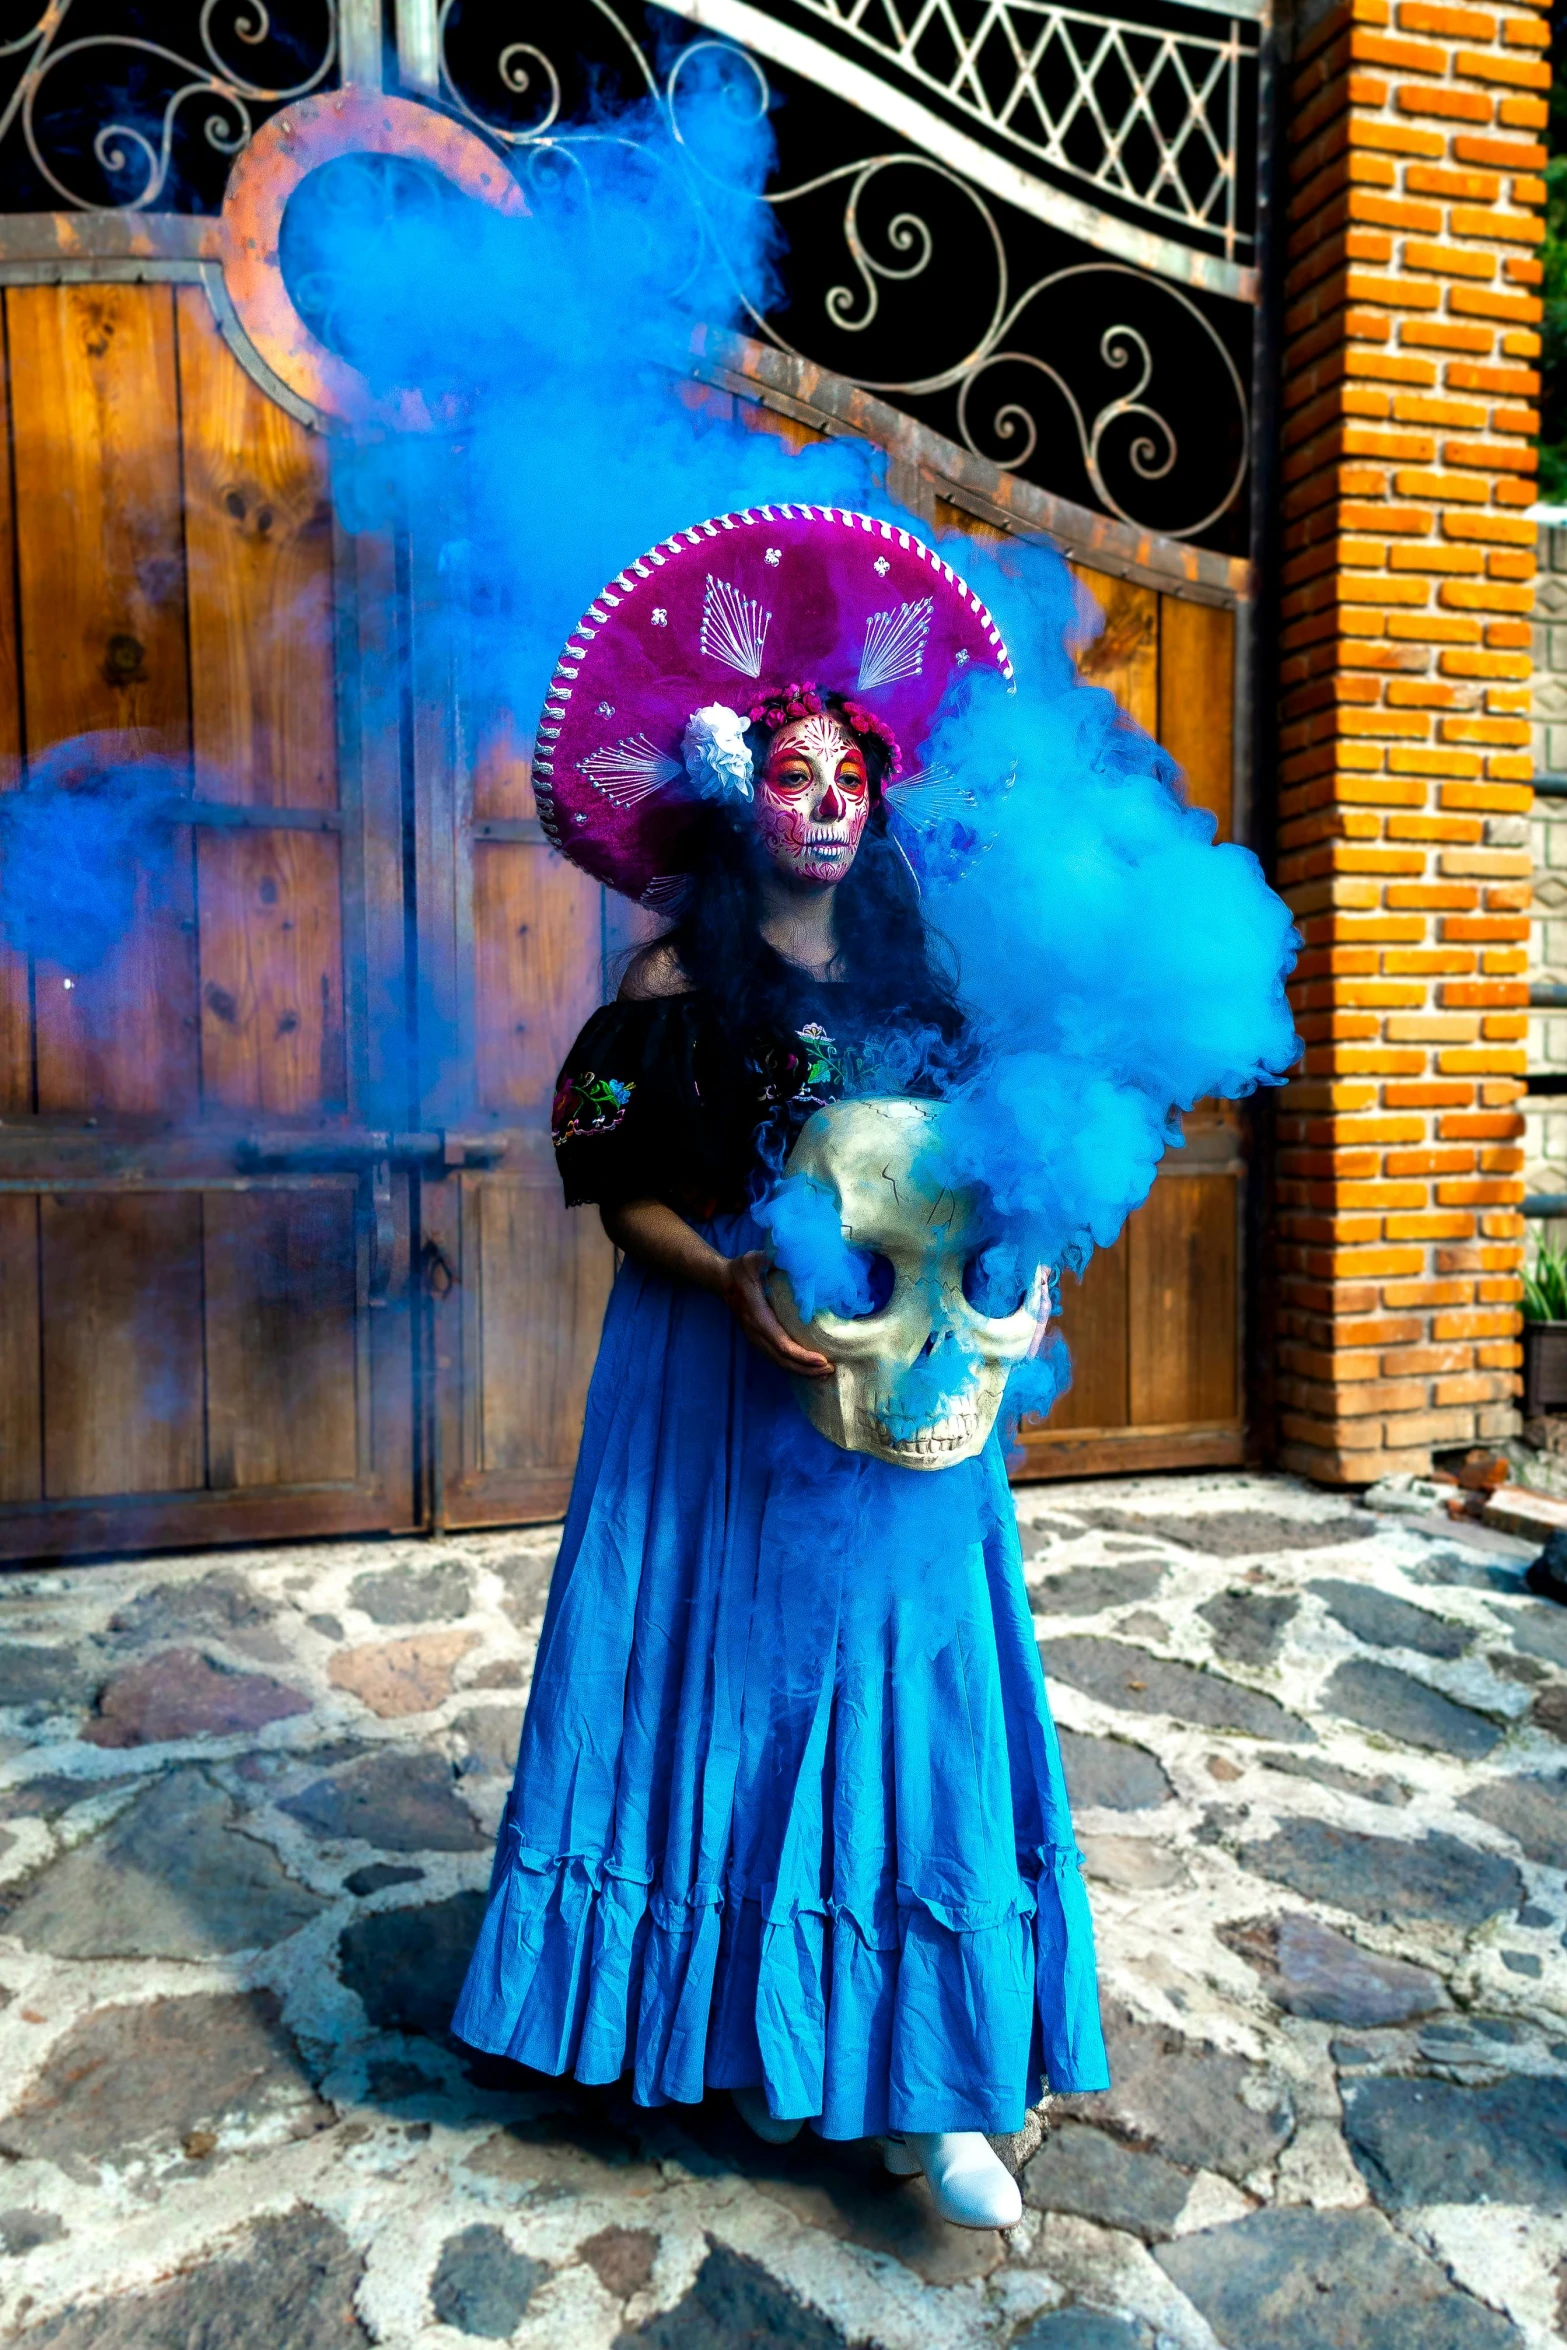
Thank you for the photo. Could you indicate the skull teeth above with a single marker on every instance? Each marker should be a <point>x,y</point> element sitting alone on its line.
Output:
<point>927,1443</point>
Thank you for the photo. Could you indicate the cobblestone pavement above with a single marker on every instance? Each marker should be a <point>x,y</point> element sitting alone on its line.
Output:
<point>1319,1760</point>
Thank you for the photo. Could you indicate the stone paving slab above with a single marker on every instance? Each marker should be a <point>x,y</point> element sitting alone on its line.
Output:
<point>1319,1759</point>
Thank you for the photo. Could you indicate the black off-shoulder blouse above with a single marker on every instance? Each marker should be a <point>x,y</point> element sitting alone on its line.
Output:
<point>657,1101</point>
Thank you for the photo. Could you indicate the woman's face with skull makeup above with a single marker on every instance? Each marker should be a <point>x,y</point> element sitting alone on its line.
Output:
<point>812,799</point>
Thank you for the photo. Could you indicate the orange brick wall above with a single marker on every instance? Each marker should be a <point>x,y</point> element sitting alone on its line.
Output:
<point>1410,346</point>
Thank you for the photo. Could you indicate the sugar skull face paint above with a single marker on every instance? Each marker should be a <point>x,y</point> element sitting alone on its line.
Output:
<point>812,799</point>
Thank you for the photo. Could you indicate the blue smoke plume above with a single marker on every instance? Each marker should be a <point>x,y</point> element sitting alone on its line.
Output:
<point>1120,965</point>
<point>801,1219</point>
<point>1123,964</point>
<point>559,343</point>
<point>80,842</point>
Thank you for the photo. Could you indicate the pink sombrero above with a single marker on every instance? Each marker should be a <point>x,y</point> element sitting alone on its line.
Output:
<point>724,614</point>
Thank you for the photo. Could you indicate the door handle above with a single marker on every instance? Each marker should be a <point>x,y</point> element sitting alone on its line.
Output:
<point>372,1155</point>
<point>440,1274</point>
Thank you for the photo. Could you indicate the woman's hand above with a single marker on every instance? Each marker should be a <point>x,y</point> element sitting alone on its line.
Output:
<point>743,1292</point>
<point>652,1233</point>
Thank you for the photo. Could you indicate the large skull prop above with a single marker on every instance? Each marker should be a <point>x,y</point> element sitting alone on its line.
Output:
<point>867,1155</point>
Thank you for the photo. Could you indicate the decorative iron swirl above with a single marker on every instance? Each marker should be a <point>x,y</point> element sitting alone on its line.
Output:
<point>1153,448</point>
<point>518,64</point>
<point>1126,445</point>
<point>906,233</point>
<point>1126,433</point>
<point>515,69</point>
<point>1101,379</point>
<point>126,152</point>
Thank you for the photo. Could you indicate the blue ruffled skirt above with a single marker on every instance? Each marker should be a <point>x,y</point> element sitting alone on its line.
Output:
<point>789,1809</point>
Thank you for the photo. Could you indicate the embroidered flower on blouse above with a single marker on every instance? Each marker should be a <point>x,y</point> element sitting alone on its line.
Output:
<point>588,1105</point>
<point>807,1069</point>
<point>824,1063</point>
<point>717,756</point>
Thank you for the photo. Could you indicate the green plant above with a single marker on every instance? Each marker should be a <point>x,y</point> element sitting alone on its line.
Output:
<point>1545,1286</point>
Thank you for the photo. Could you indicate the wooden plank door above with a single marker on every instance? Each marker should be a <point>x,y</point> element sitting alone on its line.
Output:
<point>513,943</point>
<point>189,1350</point>
<point>1154,1326</point>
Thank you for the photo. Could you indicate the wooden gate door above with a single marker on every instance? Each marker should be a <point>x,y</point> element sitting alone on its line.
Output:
<point>204,1233</point>
<point>281,1243</point>
<point>514,947</point>
<point>1154,1326</point>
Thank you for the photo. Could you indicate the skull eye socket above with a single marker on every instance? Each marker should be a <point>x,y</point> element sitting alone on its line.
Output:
<point>994,1283</point>
<point>880,1281</point>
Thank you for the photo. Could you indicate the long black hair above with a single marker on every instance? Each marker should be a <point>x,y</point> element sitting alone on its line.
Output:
<point>901,972</point>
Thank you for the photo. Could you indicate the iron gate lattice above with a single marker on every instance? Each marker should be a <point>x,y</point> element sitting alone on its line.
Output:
<point>1146,114</point>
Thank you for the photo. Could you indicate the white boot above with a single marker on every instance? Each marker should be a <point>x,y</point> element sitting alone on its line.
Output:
<point>758,2117</point>
<point>970,2185</point>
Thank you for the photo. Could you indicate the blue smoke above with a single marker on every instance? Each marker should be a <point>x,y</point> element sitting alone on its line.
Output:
<point>801,1219</point>
<point>1120,967</point>
<point>80,839</point>
<point>561,346</point>
<point>1122,964</point>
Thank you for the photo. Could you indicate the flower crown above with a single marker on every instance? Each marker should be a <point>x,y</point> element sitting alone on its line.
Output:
<point>789,702</point>
<point>718,758</point>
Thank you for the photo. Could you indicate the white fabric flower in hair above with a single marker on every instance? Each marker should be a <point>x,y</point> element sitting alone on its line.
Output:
<point>717,757</point>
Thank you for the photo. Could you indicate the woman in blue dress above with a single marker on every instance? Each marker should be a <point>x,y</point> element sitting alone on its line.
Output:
<point>789,1817</point>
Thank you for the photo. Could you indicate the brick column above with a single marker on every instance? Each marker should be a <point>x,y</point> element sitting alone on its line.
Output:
<point>1410,342</point>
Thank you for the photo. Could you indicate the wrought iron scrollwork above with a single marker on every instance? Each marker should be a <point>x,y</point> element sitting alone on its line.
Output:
<point>523,72</point>
<point>1146,113</point>
<point>519,93</point>
<point>68,69</point>
<point>907,241</point>
<point>1086,331</point>
<point>1101,380</point>
<point>1129,446</point>
<point>1098,378</point>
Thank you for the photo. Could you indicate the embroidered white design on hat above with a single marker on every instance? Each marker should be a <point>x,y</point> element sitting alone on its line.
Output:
<point>664,891</point>
<point>660,616</point>
<point>734,627</point>
<point>774,556</point>
<point>625,772</point>
<point>895,643</point>
<point>881,567</point>
<point>930,796</point>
